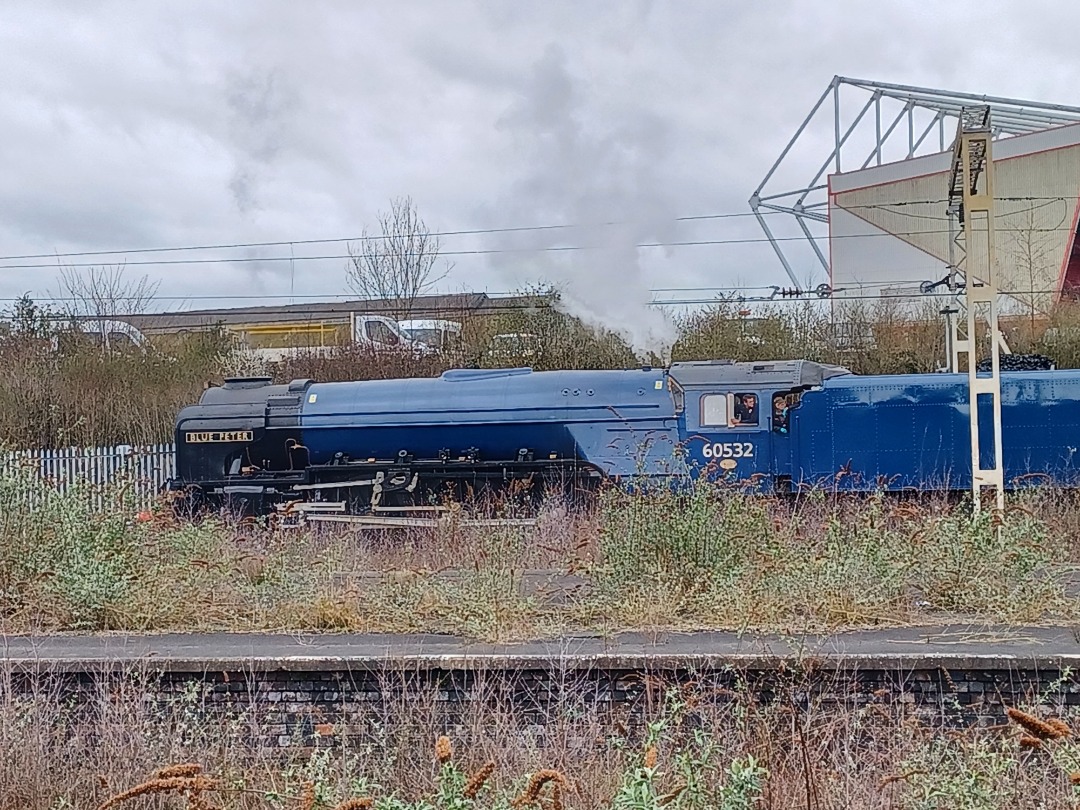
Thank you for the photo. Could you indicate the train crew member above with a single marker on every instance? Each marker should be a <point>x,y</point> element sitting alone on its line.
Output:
<point>780,413</point>
<point>746,410</point>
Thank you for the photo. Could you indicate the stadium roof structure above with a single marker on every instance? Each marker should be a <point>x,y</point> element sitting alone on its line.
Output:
<point>877,123</point>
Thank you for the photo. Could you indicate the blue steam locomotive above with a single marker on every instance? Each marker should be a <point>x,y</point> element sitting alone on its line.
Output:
<point>778,427</point>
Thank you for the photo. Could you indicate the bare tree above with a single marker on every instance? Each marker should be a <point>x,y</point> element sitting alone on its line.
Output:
<point>1029,253</point>
<point>397,265</point>
<point>104,293</point>
<point>100,295</point>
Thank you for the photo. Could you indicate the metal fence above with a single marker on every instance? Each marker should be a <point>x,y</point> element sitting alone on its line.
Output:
<point>141,470</point>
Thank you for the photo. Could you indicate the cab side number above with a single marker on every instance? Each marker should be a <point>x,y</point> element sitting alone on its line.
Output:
<point>728,450</point>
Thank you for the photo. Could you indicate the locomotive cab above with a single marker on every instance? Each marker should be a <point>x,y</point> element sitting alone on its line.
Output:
<point>740,418</point>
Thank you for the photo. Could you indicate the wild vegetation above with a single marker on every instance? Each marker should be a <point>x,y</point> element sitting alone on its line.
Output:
<point>694,748</point>
<point>56,391</point>
<point>709,559</point>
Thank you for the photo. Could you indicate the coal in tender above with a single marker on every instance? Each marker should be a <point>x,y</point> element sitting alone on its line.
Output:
<point>1018,362</point>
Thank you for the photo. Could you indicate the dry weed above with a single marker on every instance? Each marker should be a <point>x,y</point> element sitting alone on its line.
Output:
<point>1041,729</point>
<point>187,769</point>
<point>190,785</point>
<point>444,751</point>
<point>477,780</point>
<point>531,793</point>
<point>307,796</point>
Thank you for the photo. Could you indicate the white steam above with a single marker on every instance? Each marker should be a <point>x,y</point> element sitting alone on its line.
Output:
<point>261,109</point>
<point>577,171</point>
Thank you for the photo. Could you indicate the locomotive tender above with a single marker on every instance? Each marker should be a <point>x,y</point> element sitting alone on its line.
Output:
<point>778,426</point>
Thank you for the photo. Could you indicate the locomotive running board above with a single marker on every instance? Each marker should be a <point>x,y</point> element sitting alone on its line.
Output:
<point>366,482</point>
<point>314,507</point>
<point>377,522</point>
<point>410,509</point>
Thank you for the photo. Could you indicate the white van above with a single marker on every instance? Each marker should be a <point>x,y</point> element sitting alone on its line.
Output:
<point>384,335</point>
<point>114,334</point>
<point>439,335</point>
<point>105,334</point>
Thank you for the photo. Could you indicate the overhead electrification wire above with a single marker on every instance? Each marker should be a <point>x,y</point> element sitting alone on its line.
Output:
<point>349,298</point>
<point>371,237</point>
<point>497,251</point>
<point>812,297</point>
<point>807,297</point>
<point>468,232</point>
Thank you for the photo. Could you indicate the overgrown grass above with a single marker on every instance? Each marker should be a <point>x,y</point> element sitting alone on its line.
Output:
<point>750,562</point>
<point>700,748</point>
<point>708,559</point>
<point>56,753</point>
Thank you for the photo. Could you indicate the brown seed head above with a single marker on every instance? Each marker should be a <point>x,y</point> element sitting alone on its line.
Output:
<point>1027,741</point>
<point>556,797</point>
<point>187,769</point>
<point>1063,728</point>
<point>650,757</point>
<point>356,804</point>
<point>1033,725</point>
<point>477,780</point>
<point>175,784</point>
<point>536,784</point>
<point>307,796</point>
<point>443,749</point>
<point>1075,778</point>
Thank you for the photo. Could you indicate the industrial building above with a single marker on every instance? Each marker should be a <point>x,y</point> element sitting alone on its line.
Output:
<point>323,323</point>
<point>876,214</point>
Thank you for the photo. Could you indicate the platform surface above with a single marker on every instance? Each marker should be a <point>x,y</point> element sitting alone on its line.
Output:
<point>962,646</point>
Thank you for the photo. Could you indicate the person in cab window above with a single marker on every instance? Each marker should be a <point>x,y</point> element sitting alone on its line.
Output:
<point>780,414</point>
<point>746,410</point>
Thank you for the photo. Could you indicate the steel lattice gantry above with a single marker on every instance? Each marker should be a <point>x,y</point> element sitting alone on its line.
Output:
<point>878,123</point>
<point>971,200</point>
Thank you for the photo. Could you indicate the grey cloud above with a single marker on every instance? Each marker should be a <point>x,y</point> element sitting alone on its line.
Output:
<point>135,125</point>
<point>577,170</point>
<point>261,110</point>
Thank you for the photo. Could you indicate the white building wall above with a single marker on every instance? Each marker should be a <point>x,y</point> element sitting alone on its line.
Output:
<point>889,226</point>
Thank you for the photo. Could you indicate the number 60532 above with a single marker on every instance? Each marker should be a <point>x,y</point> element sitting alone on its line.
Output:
<point>728,450</point>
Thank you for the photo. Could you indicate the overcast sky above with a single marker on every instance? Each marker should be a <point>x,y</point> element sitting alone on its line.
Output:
<point>129,125</point>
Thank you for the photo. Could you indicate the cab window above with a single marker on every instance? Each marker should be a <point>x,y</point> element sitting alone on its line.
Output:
<point>781,411</point>
<point>714,410</point>
<point>747,410</point>
<point>379,332</point>
<point>120,340</point>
